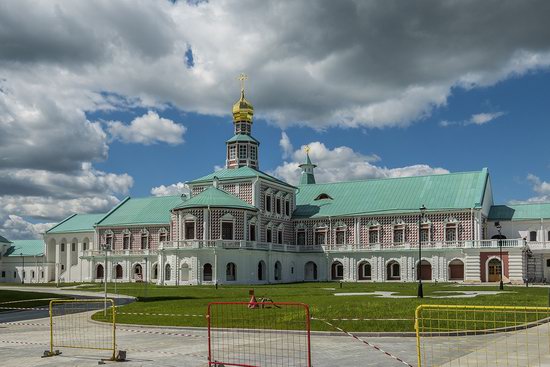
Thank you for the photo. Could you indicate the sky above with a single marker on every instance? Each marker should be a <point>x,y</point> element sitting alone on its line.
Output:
<point>107,99</point>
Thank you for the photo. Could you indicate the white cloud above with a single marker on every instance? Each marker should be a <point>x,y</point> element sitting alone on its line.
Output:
<point>483,118</point>
<point>540,187</point>
<point>285,145</point>
<point>15,228</point>
<point>344,164</point>
<point>475,119</point>
<point>174,189</point>
<point>148,129</point>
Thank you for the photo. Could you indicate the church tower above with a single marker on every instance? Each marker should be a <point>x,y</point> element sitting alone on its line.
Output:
<point>242,148</point>
<point>307,177</point>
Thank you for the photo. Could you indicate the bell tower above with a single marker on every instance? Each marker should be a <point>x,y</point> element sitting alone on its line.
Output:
<point>242,148</point>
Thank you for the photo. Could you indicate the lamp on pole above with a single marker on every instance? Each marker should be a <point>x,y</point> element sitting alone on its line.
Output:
<point>106,247</point>
<point>499,228</point>
<point>23,271</point>
<point>419,268</point>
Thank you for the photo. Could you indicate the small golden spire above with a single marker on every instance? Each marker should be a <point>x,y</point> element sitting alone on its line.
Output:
<point>242,78</point>
<point>307,149</point>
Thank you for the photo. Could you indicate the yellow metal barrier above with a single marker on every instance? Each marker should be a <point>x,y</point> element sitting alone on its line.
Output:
<point>71,325</point>
<point>453,335</point>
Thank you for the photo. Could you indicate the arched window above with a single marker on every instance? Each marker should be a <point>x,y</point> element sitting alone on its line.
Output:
<point>155,271</point>
<point>261,270</point>
<point>393,270</point>
<point>231,272</point>
<point>310,271</point>
<point>277,274</point>
<point>138,273</point>
<point>323,196</point>
<point>364,271</point>
<point>99,273</point>
<point>533,236</point>
<point>118,271</point>
<point>337,271</point>
<point>167,272</point>
<point>207,272</point>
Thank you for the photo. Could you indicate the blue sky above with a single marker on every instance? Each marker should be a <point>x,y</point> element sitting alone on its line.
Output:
<point>511,146</point>
<point>105,99</point>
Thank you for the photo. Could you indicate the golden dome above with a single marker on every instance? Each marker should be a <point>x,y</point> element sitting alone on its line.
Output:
<point>242,109</point>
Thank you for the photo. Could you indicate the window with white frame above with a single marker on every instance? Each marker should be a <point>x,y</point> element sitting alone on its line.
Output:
<point>340,235</point>
<point>533,236</point>
<point>242,151</point>
<point>398,234</point>
<point>253,152</point>
<point>189,228</point>
<point>126,240</point>
<point>163,235</point>
<point>451,232</point>
<point>109,239</point>
<point>287,208</point>
<point>425,233</point>
<point>267,202</point>
<point>73,246</point>
<point>301,237</point>
<point>278,205</point>
<point>232,152</point>
<point>227,230</point>
<point>269,235</point>
<point>320,236</point>
<point>252,234</point>
<point>144,240</point>
<point>374,235</point>
<point>62,247</point>
<point>280,236</point>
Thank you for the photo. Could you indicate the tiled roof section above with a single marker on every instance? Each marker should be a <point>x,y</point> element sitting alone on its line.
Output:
<point>4,240</point>
<point>242,137</point>
<point>238,173</point>
<point>27,248</point>
<point>520,211</point>
<point>394,195</point>
<point>136,211</point>
<point>214,197</point>
<point>77,223</point>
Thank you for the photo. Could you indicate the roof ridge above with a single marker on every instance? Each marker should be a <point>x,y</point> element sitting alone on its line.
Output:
<point>113,210</point>
<point>393,178</point>
<point>63,221</point>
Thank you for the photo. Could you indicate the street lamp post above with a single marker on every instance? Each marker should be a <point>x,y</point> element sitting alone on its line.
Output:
<point>106,247</point>
<point>499,228</point>
<point>23,270</point>
<point>419,268</point>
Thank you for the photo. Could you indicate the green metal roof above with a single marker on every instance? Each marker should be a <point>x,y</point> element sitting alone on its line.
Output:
<point>215,197</point>
<point>520,211</point>
<point>394,195</point>
<point>77,223</point>
<point>242,137</point>
<point>237,173</point>
<point>27,248</point>
<point>135,211</point>
<point>4,240</point>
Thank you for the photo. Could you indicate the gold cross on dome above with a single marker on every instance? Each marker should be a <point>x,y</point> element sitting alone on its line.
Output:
<point>307,149</point>
<point>242,78</point>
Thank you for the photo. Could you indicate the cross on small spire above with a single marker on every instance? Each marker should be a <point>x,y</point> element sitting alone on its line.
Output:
<point>242,78</point>
<point>307,149</point>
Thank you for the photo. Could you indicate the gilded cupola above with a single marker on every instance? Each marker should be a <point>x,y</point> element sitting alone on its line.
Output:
<point>242,109</point>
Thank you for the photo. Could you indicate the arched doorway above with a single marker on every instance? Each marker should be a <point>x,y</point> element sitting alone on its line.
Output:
<point>231,272</point>
<point>393,271</point>
<point>364,271</point>
<point>337,271</point>
<point>185,273</point>
<point>261,270</point>
<point>425,269</point>
<point>278,271</point>
<point>138,273</point>
<point>207,272</point>
<point>310,271</point>
<point>494,267</point>
<point>99,273</point>
<point>456,270</point>
<point>118,271</point>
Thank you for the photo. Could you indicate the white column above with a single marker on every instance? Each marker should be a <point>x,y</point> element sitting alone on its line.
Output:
<point>68,251</point>
<point>57,260</point>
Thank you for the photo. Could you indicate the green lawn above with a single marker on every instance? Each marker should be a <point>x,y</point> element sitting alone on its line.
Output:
<point>323,304</point>
<point>7,298</point>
